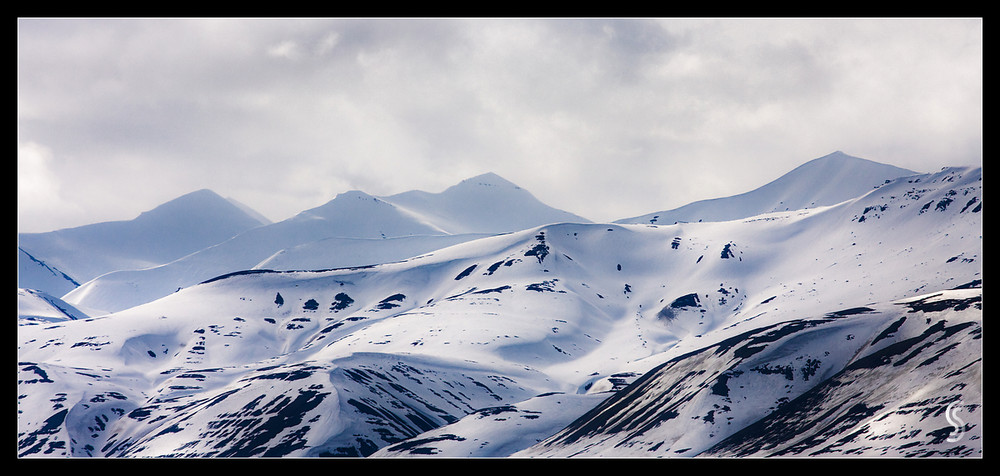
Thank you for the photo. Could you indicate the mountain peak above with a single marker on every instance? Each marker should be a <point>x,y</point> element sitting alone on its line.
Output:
<point>352,203</point>
<point>200,194</point>
<point>846,166</point>
<point>355,194</point>
<point>838,155</point>
<point>169,231</point>
<point>841,158</point>
<point>203,208</point>
<point>485,203</point>
<point>488,179</point>
<point>198,199</point>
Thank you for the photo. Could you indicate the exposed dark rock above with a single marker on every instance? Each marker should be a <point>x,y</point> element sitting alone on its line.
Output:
<point>465,272</point>
<point>544,286</point>
<point>540,250</point>
<point>687,300</point>
<point>340,302</point>
<point>390,302</point>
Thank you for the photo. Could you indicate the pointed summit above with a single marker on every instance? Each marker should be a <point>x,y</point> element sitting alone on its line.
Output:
<point>843,163</point>
<point>201,207</point>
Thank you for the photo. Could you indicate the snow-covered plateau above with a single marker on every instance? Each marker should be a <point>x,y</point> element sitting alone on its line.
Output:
<point>850,328</point>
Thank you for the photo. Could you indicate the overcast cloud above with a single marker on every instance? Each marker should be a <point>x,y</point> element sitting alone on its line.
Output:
<point>605,118</point>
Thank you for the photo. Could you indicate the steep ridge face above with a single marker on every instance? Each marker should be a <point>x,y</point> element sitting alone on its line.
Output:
<point>824,181</point>
<point>917,392</point>
<point>455,351</point>
<point>886,374</point>
<point>38,307</point>
<point>33,273</point>
<point>353,229</point>
<point>179,227</point>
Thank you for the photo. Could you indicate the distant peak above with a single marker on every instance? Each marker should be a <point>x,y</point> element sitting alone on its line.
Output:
<point>201,194</point>
<point>839,158</point>
<point>489,179</point>
<point>488,176</point>
<point>192,199</point>
<point>837,154</point>
<point>355,194</point>
<point>201,206</point>
<point>204,191</point>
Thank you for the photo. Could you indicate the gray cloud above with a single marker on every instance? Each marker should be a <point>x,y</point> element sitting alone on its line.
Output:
<point>606,118</point>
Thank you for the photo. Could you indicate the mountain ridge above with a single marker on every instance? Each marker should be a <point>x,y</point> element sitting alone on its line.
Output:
<point>483,204</point>
<point>822,181</point>
<point>169,231</point>
<point>359,224</point>
<point>33,273</point>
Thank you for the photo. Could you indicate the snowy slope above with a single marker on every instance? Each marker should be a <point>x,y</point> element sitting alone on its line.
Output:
<point>884,372</point>
<point>250,211</point>
<point>427,355</point>
<point>353,229</point>
<point>497,431</point>
<point>917,391</point>
<point>34,306</point>
<point>827,180</point>
<point>174,229</point>
<point>336,252</point>
<point>33,273</point>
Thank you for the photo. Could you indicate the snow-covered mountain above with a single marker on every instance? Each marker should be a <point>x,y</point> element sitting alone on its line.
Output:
<point>827,180</point>
<point>486,203</point>
<point>689,339</point>
<point>353,229</point>
<point>174,229</point>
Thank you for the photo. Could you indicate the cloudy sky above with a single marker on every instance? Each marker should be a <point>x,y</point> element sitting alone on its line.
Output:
<point>604,117</point>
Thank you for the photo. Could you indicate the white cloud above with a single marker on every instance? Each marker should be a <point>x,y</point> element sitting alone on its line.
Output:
<point>328,43</point>
<point>40,204</point>
<point>286,49</point>
<point>577,107</point>
<point>35,181</point>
